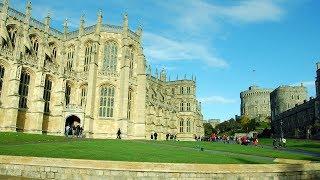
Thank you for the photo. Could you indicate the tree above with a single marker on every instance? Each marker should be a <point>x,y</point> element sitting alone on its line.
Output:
<point>208,129</point>
<point>244,121</point>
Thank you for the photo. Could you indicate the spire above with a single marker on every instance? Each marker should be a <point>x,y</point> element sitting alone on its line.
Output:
<point>125,22</point>
<point>47,23</point>
<point>28,12</point>
<point>65,28</point>
<point>157,75</point>
<point>81,28</point>
<point>177,77</point>
<point>149,70</point>
<point>185,76</point>
<point>139,32</point>
<point>163,75</point>
<point>99,21</point>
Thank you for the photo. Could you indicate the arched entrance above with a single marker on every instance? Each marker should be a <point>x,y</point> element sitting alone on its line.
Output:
<point>72,122</point>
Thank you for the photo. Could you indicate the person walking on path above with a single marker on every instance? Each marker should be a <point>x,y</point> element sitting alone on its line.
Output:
<point>119,134</point>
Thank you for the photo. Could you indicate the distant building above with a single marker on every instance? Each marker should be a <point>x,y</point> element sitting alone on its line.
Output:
<point>213,122</point>
<point>293,115</point>
<point>255,103</point>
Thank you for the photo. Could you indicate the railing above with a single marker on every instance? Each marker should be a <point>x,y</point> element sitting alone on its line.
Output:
<point>50,66</point>
<point>16,14</point>
<point>89,30</point>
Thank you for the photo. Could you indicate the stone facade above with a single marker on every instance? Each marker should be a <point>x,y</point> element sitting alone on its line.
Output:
<point>96,76</point>
<point>294,116</point>
<point>255,103</point>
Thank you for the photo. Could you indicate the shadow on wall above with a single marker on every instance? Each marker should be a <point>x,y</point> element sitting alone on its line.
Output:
<point>21,120</point>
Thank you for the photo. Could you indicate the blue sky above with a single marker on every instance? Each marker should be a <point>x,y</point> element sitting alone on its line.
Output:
<point>221,42</point>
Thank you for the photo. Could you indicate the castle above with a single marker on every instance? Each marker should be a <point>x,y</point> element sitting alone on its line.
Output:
<point>96,76</point>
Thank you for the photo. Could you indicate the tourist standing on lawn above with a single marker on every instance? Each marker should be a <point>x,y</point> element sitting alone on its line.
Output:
<point>67,130</point>
<point>155,136</point>
<point>119,134</point>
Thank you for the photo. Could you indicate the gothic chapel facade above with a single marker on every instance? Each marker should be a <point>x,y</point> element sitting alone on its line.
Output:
<point>96,76</point>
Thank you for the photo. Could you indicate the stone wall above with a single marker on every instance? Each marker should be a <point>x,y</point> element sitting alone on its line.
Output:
<point>54,168</point>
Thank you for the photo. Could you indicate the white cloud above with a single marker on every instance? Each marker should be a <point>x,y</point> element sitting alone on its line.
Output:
<point>159,48</point>
<point>199,14</point>
<point>217,100</point>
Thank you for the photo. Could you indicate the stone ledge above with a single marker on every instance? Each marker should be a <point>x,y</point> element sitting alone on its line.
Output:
<point>51,163</point>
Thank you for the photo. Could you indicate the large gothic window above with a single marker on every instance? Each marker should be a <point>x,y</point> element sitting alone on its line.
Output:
<point>110,57</point>
<point>68,93</point>
<point>83,96</point>
<point>70,56</point>
<point>24,89</point>
<point>182,106</point>
<point>106,101</point>
<point>87,56</point>
<point>47,94</point>
<point>188,107</point>
<point>1,78</point>
<point>181,90</point>
<point>188,90</point>
<point>129,103</point>
<point>188,125</point>
<point>181,125</point>
<point>131,59</point>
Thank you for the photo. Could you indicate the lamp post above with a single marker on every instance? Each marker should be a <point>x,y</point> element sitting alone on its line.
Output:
<point>281,129</point>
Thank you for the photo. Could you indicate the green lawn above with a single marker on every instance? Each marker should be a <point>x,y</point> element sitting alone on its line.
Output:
<point>140,151</point>
<point>298,144</point>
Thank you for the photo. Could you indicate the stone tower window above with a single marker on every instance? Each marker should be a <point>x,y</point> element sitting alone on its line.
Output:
<point>24,89</point>
<point>68,93</point>
<point>1,78</point>
<point>110,57</point>
<point>83,96</point>
<point>181,125</point>
<point>106,101</point>
<point>182,106</point>
<point>188,107</point>
<point>47,94</point>
<point>87,56</point>
<point>173,91</point>
<point>181,90</point>
<point>131,59</point>
<point>188,90</point>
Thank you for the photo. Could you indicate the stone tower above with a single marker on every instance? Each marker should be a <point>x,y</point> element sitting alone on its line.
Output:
<point>286,97</point>
<point>318,80</point>
<point>255,102</point>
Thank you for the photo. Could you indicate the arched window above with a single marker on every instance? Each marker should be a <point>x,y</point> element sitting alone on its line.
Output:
<point>68,93</point>
<point>130,101</point>
<point>83,96</point>
<point>110,57</point>
<point>182,106</point>
<point>54,52</point>
<point>87,56</point>
<point>1,78</point>
<point>24,89</point>
<point>70,56</point>
<point>173,91</point>
<point>106,101</point>
<point>188,125</point>
<point>181,125</point>
<point>47,94</point>
<point>35,44</point>
<point>188,107</point>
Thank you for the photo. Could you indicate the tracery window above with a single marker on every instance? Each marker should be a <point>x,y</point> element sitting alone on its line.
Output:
<point>70,56</point>
<point>181,125</point>
<point>188,125</point>
<point>83,96</point>
<point>1,78</point>
<point>129,103</point>
<point>106,101</point>
<point>87,56</point>
<point>110,57</point>
<point>47,94</point>
<point>131,59</point>
<point>68,93</point>
<point>24,89</point>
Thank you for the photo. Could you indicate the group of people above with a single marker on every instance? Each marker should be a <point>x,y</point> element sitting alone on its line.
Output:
<point>225,138</point>
<point>169,136</point>
<point>73,130</point>
<point>244,140</point>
